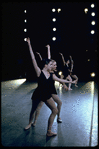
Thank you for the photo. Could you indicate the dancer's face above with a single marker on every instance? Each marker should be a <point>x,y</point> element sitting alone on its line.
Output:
<point>49,66</point>
<point>54,66</point>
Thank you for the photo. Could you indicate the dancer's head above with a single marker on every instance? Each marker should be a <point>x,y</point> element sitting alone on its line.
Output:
<point>46,63</point>
<point>54,65</point>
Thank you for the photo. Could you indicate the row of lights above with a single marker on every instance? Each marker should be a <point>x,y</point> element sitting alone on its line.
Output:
<point>25,21</point>
<point>92,31</point>
<point>92,14</point>
<point>54,20</point>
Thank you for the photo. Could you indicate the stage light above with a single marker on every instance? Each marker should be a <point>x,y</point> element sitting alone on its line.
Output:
<point>54,29</point>
<point>54,19</point>
<point>24,39</point>
<point>25,11</point>
<point>25,30</point>
<point>92,5</point>
<point>54,38</point>
<point>93,14</point>
<point>93,22</point>
<point>25,20</point>
<point>92,74</point>
<point>58,10</point>
<point>88,60</point>
<point>92,31</point>
<point>86,10</point>
<point>60,73</point>
<point>53,10</point>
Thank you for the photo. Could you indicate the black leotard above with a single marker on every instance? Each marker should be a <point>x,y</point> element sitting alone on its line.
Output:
<point>43,91</point>
<point>52,87</point>
<point>65,71</point>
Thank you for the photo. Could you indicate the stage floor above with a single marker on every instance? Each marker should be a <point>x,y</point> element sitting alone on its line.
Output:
<point>79,114</point>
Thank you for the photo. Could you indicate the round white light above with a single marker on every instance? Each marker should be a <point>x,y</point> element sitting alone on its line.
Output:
<point>54,19</point>
<point>58,10</point>
<point>25,20</point>
<point>24,39</point>
<point>54,38</point>
<point>25,30</point>
<point>25,11</point>
<point>86,10</point>
<point>53,10</point>
<point>93,22</point>
<point>93,14</point>
<point>60,73</point>
<point>92,31</point>
<point>92,5</point>
<point>92,74</point>
<point>54,29</point>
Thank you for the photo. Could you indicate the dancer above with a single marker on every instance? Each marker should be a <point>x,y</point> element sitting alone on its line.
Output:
<point>66,72</point>
<point>53,91</point>
<point>72,74</point>
<point>43,93</point>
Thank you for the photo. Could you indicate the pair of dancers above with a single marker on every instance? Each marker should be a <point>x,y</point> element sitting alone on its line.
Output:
<point>44,92</point>
<point>68,72</point>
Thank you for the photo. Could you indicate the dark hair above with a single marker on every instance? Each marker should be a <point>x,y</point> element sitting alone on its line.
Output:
<point>45,62</point>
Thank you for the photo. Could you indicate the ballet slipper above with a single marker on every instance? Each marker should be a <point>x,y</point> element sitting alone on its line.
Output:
<point>70,89</point>
<point>59,120</point>
<point>27,127</point>
<point>33,124</point>
<point>76,85</point>
<point>51,134</point>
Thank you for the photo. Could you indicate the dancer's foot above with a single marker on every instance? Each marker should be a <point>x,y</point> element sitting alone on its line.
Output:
<point>70,89</point>
<point>34,124</point>
<point>51,134</point>
<point>76,85</point>
<point>59,120</point>
<point>27,127</point>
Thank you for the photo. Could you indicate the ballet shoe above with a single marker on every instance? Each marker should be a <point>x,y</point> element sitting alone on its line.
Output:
<point>59,120</point>
<point>33,124</point>
<point>50,134</point>
<point>27,127</point>
<point>76,85</point>
<point>70,89</point>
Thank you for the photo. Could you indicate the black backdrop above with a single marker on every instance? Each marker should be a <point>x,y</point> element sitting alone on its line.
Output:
<point>72,37</point>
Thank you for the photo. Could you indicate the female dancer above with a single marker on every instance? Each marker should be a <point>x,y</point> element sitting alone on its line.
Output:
<point>66,72</point>
<point>44,93</point>
<point>72,73</point>
<point>53,91</point>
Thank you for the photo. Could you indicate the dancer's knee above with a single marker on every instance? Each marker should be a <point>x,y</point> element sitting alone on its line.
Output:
<point>55,111</point>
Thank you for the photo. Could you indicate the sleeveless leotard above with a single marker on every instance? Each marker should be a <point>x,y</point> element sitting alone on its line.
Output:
<point>43,91</point>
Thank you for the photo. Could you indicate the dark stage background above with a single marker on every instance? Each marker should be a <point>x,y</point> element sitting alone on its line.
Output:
<point>73,37</point>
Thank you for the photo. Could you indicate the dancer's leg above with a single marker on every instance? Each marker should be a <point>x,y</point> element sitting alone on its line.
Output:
<point>36,114</point>
<point>51,104</point>
<point>70,79</point>
<point>59,104</point>
<point>75,77</point>
<point>34,106</point>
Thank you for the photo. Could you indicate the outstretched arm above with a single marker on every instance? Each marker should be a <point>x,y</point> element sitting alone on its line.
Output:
<point>62,58</point>
<point>37,69</point>
<point>39,55</point>
<point>55,78</point>
<point>49,52</point>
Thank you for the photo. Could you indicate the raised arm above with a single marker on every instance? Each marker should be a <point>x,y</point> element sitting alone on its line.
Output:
<point>71,63</point>
<point>37,69</point>
<point>55,78</point>
<point>49,52</point>
<point>39,55</point>
<point>62,58</point>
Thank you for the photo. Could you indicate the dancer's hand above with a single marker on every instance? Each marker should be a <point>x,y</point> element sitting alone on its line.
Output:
<point>48,46</point>
<point>60,53</point>
<point>28,40</point>
<point>38,53</point>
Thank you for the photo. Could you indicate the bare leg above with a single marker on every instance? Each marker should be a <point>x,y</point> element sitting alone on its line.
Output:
<point>70,79</point>
<point>51,104</point>
<point>36,114</point>
<point>59,104</point>
<point>75,77</point>
<point>34,106</point>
